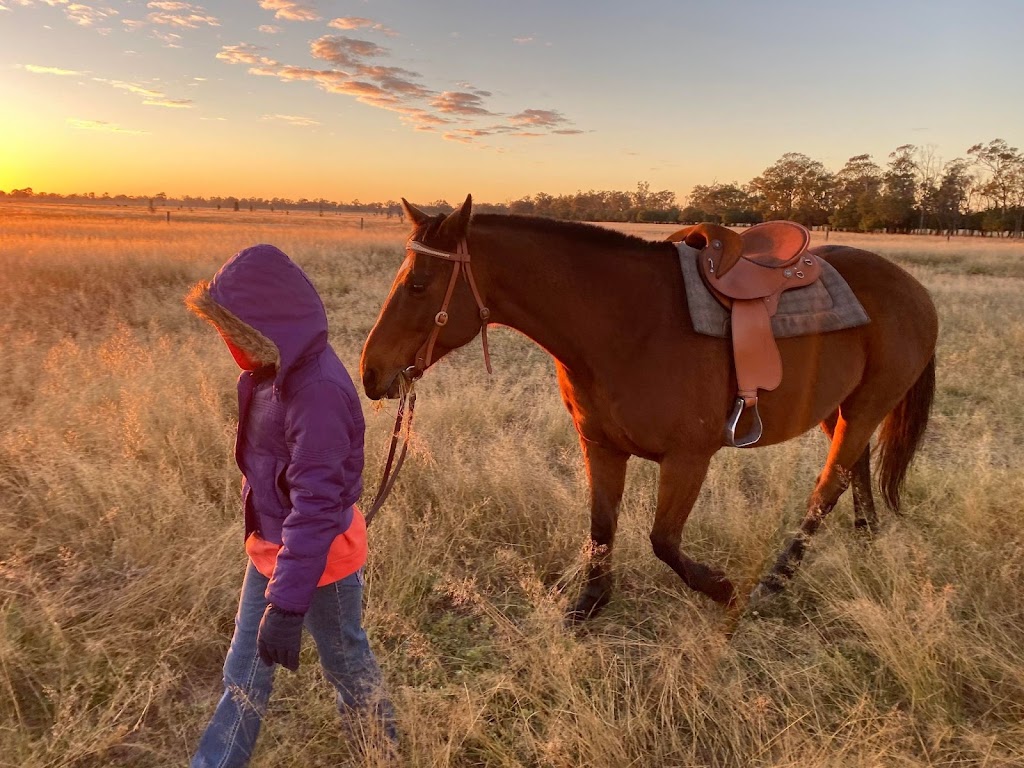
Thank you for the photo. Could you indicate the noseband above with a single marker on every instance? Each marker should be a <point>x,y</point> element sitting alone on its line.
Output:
<point>460,258</point>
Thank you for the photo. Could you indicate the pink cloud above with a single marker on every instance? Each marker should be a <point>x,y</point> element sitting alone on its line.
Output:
<point>460,103</point>
<point>290,10</point>
<point>358,22</point>
<point>344,51</point>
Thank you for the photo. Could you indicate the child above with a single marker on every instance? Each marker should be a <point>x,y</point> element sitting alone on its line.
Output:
<point>300,449</point>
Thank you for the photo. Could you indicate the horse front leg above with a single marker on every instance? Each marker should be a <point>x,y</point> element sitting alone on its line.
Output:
<point>606,472</point>
<point>679,485</point>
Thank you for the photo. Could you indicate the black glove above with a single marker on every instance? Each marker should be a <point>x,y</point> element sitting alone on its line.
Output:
<point>280,637</point>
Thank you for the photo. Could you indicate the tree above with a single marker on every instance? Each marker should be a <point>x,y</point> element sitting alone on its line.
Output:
<point>896,205</point>
<point>720,203</point>
<point>1017,198</point>
<point>951,200</point>
<point>795,187</point>
<point>928,169</point>
<point>642,195</point>
<point>1000,165</point>
<point>857,187</point>
<point>522,207</point>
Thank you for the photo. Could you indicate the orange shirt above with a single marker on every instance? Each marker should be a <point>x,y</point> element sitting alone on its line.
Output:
<point>346,555</point>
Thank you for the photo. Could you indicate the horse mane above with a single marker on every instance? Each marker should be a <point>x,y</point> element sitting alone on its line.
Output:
<point>585,234</point>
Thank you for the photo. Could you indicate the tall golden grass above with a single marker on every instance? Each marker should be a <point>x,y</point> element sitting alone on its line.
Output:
<point>122,552</point>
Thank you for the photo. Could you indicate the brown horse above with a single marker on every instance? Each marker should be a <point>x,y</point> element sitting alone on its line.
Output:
<point>639,381</point>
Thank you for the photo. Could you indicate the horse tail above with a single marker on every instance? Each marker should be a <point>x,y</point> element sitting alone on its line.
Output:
<point>901,433</point>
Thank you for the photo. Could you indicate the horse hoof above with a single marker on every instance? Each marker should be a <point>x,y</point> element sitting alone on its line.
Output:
<point>723,592</point>
<point>759,598</point>
<point>587,607</point>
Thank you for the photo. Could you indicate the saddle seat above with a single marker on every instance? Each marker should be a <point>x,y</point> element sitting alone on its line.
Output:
<point>747,273</point>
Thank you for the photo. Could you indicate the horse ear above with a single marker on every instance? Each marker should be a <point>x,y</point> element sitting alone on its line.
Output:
<point>456,225</point>
<point>416,216</point>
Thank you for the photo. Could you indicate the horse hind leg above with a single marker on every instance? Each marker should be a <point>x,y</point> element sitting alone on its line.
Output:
<point>904,418</point>
<point>606,473</point>
<point>850,441</point>
<point>679,485</point>
<point>864,515</point>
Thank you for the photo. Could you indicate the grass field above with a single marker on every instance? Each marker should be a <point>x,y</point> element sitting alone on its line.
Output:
<point>122,552</point>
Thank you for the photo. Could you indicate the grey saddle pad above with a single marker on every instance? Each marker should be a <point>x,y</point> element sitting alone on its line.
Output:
<point>827,305</point>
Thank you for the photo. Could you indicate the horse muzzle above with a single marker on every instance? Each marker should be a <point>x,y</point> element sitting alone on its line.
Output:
<point>388,387</point>
<point>378,387</point>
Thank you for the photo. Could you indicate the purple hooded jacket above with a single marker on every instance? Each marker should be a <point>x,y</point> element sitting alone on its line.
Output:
<point>300,423</point>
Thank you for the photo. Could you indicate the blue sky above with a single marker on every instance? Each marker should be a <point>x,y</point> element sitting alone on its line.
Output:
<point>385,98</point>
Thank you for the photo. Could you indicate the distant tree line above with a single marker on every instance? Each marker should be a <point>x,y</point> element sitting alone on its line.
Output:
<point>641,205</point>
<point>163,200</point>
<point>914,192</point>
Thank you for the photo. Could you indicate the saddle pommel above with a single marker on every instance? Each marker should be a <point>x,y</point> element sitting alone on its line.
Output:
<point>724,246</point>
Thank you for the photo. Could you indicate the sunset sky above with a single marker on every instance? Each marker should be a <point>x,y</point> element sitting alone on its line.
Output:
<point>377,99</point>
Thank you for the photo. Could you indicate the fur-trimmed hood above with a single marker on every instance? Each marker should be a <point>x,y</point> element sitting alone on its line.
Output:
<point>265,305</point>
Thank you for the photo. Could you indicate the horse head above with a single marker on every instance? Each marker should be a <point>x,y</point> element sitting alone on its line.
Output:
<point>429,311</point>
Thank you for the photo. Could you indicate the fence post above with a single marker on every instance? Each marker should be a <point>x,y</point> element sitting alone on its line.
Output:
<point>360,222</point>
<point>168,217</point>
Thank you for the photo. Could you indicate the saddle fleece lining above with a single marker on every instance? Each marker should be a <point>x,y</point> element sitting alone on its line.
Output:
<point>827,305</point>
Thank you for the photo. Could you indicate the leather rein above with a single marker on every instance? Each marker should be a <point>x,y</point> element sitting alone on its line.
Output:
<point>424,357</point>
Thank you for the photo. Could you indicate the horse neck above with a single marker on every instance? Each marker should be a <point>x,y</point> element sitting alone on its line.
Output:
<point>582,303</point>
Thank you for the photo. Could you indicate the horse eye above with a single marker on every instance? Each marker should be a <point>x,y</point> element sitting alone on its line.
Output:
<point>417,287</point>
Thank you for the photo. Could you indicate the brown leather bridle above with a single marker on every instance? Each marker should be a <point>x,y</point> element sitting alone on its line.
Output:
<point>460,259</point>
<point>424,356</point>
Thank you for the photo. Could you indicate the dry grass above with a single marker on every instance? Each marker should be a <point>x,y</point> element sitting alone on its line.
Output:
<point>122,558</point>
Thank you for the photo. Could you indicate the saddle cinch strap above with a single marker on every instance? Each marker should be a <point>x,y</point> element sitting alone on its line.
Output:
<point>748,273</point>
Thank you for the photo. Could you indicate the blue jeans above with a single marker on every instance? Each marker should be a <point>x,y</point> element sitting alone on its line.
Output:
<point>334,620</point>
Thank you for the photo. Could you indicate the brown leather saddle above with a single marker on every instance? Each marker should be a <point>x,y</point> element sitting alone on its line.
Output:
<point>747,273</point>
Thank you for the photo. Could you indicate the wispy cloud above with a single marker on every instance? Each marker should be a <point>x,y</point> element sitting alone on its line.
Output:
<point>100,125</point>
<point>245,53</point>
<point>345,51</point>
<point>51,70</point>
<point>460,103</point>
<point>463,137</point>
<point>169,39</point>
<point>522,40</point>
<point>355,68</point>
<point>269,29</point>
<point>358,22</point>
<point>545,118</point>
<point>290,10</point>
<point>177,14</point>
<point>86,15</point>
<point>421,119</point>
<point>79,13</point>
<point>150,96</point>
<point>296,120</point>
